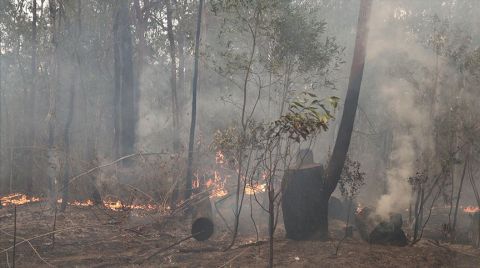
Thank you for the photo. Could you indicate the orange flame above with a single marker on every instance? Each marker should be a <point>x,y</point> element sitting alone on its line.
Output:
<point>471,209</point>
<point>219,157</point>
<point>17,199</point>
<point>255,188</point>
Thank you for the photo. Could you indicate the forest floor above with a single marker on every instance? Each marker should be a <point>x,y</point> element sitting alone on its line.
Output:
<point>98,237</point>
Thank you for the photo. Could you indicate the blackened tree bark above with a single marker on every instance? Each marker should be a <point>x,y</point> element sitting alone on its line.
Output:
<point>173,76</point>
<point>342,143</point>
<point>191,142</point>
<point>125,113</point>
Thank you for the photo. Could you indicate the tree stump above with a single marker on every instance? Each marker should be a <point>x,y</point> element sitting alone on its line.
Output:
<point>304,204</point>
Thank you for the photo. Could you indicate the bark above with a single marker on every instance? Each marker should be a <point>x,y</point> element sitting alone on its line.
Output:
<point>173,76</point>
<point>191,142</point>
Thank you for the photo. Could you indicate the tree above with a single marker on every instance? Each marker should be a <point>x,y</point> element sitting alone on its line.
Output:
<point>30,105</point>
<point>191,141</point>
<point>125,114</point>
<point>173,76</point>
<point>340,150</point>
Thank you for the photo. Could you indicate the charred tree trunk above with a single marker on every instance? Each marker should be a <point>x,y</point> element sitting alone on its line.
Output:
<point>125,115</point>
<point>191,142</point>
<point>342,142</point>
<point>173,76</point>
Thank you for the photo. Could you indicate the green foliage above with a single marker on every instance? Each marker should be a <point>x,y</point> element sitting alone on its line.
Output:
<point>351,179</point>
<point>306,117</point>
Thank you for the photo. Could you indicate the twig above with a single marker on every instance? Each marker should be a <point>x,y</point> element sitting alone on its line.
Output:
<point>33,248</point>
<point>108,164</point>
<point>54,226</point>
<point>14,234</point>
<point>8,261</point>
<point>46,234</point>
<point>156,252</point>
<point>232,259</point>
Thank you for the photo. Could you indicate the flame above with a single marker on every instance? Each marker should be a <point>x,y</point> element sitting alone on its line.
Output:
<point>219,157</point>
<point>255,188</point>
<point>116,205</point>
<point>17,199</point>
<point>359,208</point>
<point>471,209</point>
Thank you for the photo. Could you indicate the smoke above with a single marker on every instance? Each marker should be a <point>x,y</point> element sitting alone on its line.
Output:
<point>404,100</point>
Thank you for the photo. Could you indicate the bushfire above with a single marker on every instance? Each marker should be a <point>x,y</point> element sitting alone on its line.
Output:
<point>117,205</point>
<point>471,209</point>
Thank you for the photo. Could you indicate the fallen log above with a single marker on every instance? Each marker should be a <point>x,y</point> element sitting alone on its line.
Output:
<point>202,221</point>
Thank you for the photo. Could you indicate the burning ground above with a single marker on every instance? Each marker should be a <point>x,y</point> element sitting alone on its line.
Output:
<point>103,236</point>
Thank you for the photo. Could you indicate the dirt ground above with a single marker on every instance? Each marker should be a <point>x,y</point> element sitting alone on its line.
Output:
<point>98,237</point>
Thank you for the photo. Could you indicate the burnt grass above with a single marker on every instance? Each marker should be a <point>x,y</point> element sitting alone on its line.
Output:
<point>98,237</point>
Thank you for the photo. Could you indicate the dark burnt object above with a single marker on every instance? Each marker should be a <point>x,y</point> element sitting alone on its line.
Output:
<point>302,201</point>
<point>375,230</point>
<point>475,229</point>
<point>202,221</point>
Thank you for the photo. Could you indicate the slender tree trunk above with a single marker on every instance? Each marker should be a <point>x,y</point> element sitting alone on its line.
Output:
<point>67,134</point>
<point>117,87</point>
<point>31,103</point>
<point>125,115</point>
<point>342,143</point>
<point>52,156</point>
<point>2,179</point>
<point>459,195</point>
<point>191,142</point>
<point>173,76</point>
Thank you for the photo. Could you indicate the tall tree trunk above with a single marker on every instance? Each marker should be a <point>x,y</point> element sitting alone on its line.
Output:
<point>342,143</point>
<point>66,135</point>
<point>173,76</point>
<point>191,141</point>
<point>125,114</point>
<point>31,103</point>
<point>454,225</point>
<point>52,156</point>
<point>1,125</point>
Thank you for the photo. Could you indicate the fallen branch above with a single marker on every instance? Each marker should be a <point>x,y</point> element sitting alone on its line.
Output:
<point>46,234</point>
<point>109,164</point>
